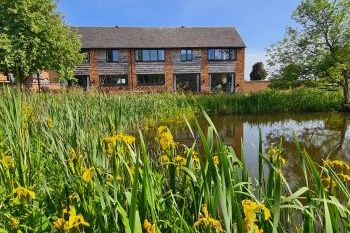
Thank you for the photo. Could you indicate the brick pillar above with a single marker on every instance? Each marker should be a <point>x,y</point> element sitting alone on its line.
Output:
<point>204,72</point>
<point>132,79</point>
<point>169,71</point>
<point>94,73</point>
<point>240,70</point>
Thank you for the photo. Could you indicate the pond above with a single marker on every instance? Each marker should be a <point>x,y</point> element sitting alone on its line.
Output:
<point>320,134</point>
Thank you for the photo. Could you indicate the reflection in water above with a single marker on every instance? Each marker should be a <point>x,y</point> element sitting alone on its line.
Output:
<point>321,135</point>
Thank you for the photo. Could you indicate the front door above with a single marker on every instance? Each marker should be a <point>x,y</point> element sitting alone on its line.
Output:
<point>186,83</point>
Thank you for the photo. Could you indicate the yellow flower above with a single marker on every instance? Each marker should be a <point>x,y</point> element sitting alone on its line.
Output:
<point>345,178</point>
<point>150,228</point>
<point>207,221</point>
<point>196,161</point>
<point>49,122</point>
<point>8,162</point>
<point>282,160</point>
<point>164,138</point>
<point>131,168</point>
<point>216,160</point>
<point>250,208</point>
<point>338,165</point>
<point>180,161</point>
<point>74,221</point>
<point>59,224</point>
<point>329,183</point>
<point>14,222</point>
<point>87,175</point>
<point>121,137</point>
<point>22,194</point>
<point>164,159</point>
<point>27,111</point>
<point>274,153</point>
<point>127,139</point>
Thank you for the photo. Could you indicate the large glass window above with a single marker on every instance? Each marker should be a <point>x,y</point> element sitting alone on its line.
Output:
<point>112,55</point>
<point>186,55</point>
<point>221,54</point>
<point>150,79</point>
<point>113,80</point>
<point>222,82</point>
<point>150,54</point>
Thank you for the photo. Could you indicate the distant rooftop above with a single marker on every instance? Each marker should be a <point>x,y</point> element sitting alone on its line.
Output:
<point>159,37</point>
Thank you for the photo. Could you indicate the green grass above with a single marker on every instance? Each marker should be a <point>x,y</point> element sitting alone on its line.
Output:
<point>298,100</point>
<point>51,142</point>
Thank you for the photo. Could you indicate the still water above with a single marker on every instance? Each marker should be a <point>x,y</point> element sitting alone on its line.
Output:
<point>321,135</point>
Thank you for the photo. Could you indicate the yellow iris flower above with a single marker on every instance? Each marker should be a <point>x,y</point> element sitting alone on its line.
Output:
<point>207,221</point>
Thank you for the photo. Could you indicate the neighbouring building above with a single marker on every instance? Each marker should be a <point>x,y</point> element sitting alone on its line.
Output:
<point>162,59</point>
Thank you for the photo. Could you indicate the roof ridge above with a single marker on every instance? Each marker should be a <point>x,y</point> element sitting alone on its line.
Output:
<point>154,27</point>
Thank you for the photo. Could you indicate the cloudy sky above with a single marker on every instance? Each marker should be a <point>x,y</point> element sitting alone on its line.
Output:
<point>259,22</point>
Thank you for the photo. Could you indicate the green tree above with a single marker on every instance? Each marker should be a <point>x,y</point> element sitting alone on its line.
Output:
<point>33,37</point>
<point>258,72</point>
<point>319,45</point>
<point>290,76</point>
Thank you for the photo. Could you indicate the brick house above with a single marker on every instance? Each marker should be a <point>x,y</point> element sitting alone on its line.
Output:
<point>157,59</point>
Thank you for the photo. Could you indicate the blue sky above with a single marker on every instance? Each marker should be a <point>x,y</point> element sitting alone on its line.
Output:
<point>259,22</point>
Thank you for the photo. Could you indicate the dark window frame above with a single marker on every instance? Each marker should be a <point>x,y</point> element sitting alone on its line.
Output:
<point>140,58</point>
<point>187,59</point>
<point>108,60</point>
<point>231,75</point>
<point>232,57</point>
<point>121,76</point>
<point>150,84</point>
<point>87,55</point>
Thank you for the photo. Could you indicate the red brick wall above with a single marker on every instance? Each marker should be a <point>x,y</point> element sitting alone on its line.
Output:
<point>169,71</point>
<point>94,73</point>
<point>240,70</point>
<point>204,73</point>
<point>3,78</point>
<point>132,80</point>
<point>254,86</point>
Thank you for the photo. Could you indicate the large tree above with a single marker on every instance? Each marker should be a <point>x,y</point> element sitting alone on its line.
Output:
<point>33,37</point>
<point>318,45</point>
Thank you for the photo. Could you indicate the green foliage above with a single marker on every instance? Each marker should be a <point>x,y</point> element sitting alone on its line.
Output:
<point>258,72</point>
<point>290,77</point>
<point>33,37</point>
<point>319,47</point>
<point>73,153</point>
<point>272,101</point>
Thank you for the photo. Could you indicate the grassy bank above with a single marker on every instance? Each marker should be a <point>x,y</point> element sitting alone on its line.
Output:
<point>299,100</point>
<point>67,166</point>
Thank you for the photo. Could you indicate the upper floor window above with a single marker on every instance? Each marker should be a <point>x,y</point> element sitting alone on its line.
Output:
<point>112,55</point>
<point>150,54</point>
<point>221,54</point>
<point>113,80</point>
<point>87,55</point>
<point>186,55</point>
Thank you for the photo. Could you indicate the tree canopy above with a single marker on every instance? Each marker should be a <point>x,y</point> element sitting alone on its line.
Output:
<point>33,37</point>
<point>258,72</point>
<point>319,45</point>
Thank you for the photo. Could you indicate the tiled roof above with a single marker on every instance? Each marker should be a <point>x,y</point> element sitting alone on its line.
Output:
<point>159,37</point>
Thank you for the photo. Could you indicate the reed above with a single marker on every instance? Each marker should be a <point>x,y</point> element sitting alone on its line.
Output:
<point>68,165</point>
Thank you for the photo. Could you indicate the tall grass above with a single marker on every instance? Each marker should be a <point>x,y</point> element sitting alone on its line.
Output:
<point>67,165</point>
<point>271,101</point>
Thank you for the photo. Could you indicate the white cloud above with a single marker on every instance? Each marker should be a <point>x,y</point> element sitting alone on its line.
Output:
<point>251,57</point>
